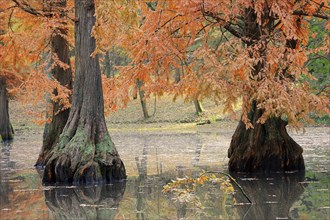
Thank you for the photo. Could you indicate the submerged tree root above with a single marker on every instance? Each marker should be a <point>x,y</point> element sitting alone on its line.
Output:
<point>78,162</point>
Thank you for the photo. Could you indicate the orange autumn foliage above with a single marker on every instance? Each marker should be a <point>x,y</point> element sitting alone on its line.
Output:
<point>254,51</point>
<point>207,40</point>
<point>26,59</point>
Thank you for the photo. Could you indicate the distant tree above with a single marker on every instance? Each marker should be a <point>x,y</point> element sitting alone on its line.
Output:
<point>139,85</point>
<point>6,129</point>
<point>60,69</point>
<point>85,152</point>
<point>14,66</point>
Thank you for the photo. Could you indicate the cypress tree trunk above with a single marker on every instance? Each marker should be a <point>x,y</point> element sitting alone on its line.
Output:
<point>198,106</point>
<point>6,130</point>
<point>139,84</point>
<point>52,131</point>
<point>265,148</point>
<point>108,65</point>
<point>85,152</point>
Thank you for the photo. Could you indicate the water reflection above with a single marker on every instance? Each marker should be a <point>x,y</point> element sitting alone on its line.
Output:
<point>142,190</point>
<point>272,195</point>
<point>95,202</point>
<point>153,160</point>
<point>6,165</point>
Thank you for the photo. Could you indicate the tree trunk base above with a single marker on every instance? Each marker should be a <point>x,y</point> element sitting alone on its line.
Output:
<point>75,161</point>
<point>6,129</point>
<point>7,134</point>
<point>266,148</point>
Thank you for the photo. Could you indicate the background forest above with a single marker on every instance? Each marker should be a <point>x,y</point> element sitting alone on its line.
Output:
<point>28,59</point>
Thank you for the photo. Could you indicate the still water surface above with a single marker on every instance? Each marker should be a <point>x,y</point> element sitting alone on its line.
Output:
<point>152,160</point>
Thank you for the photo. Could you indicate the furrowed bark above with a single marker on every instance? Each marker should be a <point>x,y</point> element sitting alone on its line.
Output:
<point>85,153</point>
<point>6,129</point>
<point>265,148</point>
<point>52,131</point>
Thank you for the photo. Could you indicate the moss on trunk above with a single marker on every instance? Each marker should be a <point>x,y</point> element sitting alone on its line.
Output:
<point>78,160</point>
<point>85,153</point>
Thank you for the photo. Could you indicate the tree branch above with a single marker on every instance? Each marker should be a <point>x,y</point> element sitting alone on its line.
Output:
<point>318,15</point>
<point>27,8</point>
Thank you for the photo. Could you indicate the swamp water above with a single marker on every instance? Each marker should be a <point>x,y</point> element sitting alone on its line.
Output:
<point>152,160</point>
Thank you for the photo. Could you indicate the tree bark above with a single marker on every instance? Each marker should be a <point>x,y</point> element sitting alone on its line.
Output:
<point>6,129</point>
<point>198,107</point>
<point>52,131</point>
<point>265,148</point>
<point>139,84</point>
<point>108,66</point>
<point>85,153</point>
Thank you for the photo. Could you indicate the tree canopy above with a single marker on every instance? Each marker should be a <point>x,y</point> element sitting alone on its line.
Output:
<point>228,50</point>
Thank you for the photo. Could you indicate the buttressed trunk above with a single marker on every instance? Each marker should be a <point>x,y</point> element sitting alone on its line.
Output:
<point>85,152</point>
<point>265,148</point>
<point>6,130</point>
<point>52,131</point>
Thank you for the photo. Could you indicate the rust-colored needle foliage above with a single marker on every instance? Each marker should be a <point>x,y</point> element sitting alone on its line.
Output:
<point>254,51</point>
<point>26,58</point>
<point>229,50</point>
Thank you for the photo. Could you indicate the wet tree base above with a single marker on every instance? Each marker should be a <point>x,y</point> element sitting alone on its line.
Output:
<point>7,137</point>
<point>7,134</point>
<point>265,148</point>
<point>80,162</point>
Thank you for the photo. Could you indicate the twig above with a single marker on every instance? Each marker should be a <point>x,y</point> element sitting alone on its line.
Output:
<point>232,179</point>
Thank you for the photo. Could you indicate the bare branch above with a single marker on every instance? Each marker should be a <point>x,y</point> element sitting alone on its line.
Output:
<point>317,15</point>
<point>27,8</point>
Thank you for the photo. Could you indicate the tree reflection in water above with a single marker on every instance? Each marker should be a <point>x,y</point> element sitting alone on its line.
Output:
<point>94,202</point>
<point>142,167</point>
<point>272,195</point>
<point>6,165</point>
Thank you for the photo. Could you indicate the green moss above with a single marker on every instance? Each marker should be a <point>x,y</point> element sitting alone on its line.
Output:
<point>63,140</point>
<point>105,148</point>
<point>87,153</point>
<point>79,147</point>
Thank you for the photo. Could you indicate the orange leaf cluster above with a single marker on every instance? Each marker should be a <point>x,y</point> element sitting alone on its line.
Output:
<point>228,50</point>
<point>26,58</point>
